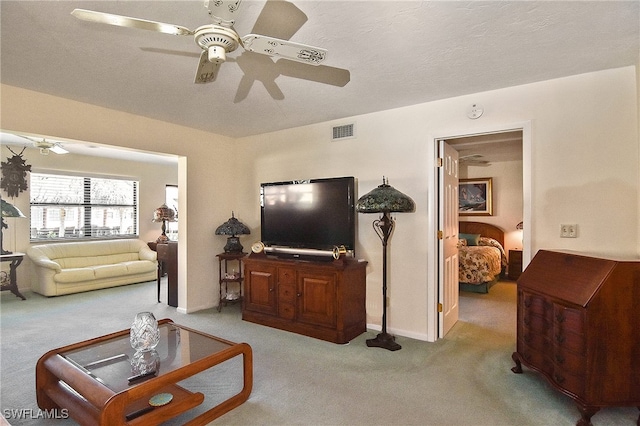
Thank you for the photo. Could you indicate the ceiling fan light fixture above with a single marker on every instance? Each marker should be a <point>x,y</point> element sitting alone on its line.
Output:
<point>217,54</point>
<point>217,41</point>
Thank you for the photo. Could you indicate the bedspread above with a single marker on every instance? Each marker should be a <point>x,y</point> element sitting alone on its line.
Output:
<point>481,263</point>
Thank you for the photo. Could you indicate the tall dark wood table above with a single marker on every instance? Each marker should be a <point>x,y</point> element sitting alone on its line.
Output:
<point>16,260</point>
<point>91,379</point>
<point>168,262</point>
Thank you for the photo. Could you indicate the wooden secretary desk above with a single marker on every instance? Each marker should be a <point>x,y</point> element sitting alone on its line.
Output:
<point>579,325</point>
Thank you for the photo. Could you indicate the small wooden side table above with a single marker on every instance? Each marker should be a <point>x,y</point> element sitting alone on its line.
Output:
<point>229,274</point>
<point>167,262</point>
<point>515,264</point>
<point>16,260</point>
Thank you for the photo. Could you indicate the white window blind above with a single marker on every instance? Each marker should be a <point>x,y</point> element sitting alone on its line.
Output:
<point>74,207</point>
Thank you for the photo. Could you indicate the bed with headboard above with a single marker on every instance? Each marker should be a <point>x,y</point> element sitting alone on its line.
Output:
<point>481,254</point>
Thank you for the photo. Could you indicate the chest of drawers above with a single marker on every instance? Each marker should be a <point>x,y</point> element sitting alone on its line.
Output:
<point>579,325</point>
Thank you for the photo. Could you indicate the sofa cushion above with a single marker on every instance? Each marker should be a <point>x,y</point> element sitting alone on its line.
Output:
<point>108,271</point>
<point>107,259</point>
<point>140,266</point>
<point>74,275</point>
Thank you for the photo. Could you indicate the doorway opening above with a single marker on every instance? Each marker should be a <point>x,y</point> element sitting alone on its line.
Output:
<point>503,156</point>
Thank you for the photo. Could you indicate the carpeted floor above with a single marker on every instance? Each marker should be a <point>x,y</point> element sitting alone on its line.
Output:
<point>464,379</point>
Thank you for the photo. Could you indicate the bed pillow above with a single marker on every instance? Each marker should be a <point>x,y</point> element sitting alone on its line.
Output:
<point>472,239</point>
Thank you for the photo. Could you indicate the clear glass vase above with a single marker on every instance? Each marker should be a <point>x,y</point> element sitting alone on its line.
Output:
<point>144,335</point>
<point>144,362</point>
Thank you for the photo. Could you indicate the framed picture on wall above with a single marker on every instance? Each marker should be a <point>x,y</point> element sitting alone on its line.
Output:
<point>475,197</point>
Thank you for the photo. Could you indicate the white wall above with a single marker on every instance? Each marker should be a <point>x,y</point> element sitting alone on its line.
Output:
<point>584,151</point>
<point>584,159</point>
<point>152,178</point>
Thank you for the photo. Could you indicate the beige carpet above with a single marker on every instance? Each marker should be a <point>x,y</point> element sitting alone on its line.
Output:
<point>464,379</point>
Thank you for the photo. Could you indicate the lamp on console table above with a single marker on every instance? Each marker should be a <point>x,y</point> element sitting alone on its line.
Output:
<point>384,199</point>
<point>233,227</point>
<point>164,214</point>
<point>8,210</point>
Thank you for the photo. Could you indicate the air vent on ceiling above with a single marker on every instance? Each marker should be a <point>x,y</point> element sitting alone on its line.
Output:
<point>346,131</point>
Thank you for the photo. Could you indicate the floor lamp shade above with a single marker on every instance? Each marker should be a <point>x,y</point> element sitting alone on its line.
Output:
<point>384,199</point>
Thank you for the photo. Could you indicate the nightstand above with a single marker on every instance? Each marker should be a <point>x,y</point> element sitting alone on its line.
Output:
<point>515,264</point>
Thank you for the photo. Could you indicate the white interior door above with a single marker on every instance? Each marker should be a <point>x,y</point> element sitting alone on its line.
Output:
<point>448,238</point>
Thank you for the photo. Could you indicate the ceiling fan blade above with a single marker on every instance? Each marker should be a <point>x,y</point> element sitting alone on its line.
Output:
<point>284,49</point>
<point>207,71</point>
<point>58,149</point>
<point>126,21</point>
<point>223,12</point>
<point>170,52</point>
<point>320,74</point>
<point>280,19</point>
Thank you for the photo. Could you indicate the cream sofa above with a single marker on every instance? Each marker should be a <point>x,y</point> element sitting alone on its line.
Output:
<point>64,268</point>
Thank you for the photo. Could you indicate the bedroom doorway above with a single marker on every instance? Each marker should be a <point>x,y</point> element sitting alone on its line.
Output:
<point>498,155</point>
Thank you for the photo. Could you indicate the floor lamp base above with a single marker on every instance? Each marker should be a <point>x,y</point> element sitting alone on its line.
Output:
<point>384,340</point>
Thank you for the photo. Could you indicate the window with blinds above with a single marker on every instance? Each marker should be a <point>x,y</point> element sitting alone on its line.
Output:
<point>81,207</point>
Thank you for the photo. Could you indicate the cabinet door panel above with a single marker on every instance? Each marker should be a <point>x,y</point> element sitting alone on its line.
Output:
<point>317,299</point>
<point>260,290</point>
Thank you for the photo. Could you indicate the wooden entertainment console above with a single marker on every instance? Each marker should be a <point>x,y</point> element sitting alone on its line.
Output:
<point>324,300</point>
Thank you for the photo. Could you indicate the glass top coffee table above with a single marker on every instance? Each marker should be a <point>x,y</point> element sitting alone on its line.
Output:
<point>103,381</point>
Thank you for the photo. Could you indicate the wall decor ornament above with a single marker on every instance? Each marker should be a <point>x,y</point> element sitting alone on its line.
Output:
<point>14,174</point>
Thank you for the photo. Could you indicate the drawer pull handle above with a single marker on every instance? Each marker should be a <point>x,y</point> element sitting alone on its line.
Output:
<point>560,359</point>
<point>527,302</point>
<point>527,321</point>
<point>271,289</point>
<point>560,318</point>
<point>558,378</point>
<point>299,295</point>
<point>559,338</point>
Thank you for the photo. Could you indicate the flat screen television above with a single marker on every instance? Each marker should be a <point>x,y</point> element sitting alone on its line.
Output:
<point>311,214</point>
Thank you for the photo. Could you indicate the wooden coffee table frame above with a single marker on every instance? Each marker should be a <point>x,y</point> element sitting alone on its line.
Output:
<point>60,384</point>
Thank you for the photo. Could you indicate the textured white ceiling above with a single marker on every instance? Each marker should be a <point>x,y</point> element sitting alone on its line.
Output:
<point>394,54</point>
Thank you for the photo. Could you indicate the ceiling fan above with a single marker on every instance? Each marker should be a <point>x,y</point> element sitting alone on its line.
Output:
<point>217,38</point>
<point>46,146</point>
<point>474,159</point>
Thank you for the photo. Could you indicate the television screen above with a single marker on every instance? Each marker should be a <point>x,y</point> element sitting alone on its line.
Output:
<point>313,214</point>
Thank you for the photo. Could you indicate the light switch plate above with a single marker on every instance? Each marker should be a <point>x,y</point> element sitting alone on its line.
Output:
<point>569,231</point>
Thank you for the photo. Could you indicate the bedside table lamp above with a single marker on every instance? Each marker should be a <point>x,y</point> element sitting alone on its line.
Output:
<point>164,214</point>
<point>384,199</point>
<point>233,227</point>
<point>8,210</point>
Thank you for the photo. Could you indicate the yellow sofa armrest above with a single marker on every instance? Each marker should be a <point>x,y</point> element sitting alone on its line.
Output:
<point>145,253</point>
<point>45,262</point>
